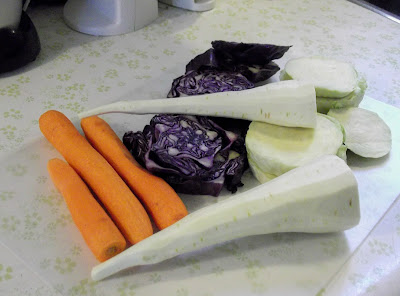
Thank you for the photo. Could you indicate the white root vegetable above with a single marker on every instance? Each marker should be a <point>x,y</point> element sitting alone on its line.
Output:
<point>366,133</point>
<point>286,103</point>
<point>319,197</point>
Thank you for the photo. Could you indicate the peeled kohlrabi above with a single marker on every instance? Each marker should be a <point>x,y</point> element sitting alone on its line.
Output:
<point>366,133</point>
<point>273,150</point>
<point>337,84</point>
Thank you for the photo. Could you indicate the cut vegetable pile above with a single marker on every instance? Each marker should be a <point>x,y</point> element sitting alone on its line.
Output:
<point>297,154</point>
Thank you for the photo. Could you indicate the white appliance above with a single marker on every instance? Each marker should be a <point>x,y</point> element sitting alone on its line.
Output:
<point>195,5</point>
<point>114,17</point>
<point>109,17</point>
<point>10,13</point>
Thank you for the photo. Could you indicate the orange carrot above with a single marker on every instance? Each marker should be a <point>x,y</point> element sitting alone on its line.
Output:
<point>159,199</point>
<point>98,230</point>
<point>122,205</point>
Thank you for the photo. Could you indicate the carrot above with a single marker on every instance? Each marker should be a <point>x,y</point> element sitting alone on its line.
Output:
<point>122,205</point>
<point>98,230</point>
<point>160,200</point>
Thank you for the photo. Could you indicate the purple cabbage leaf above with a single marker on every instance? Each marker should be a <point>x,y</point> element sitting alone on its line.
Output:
<point>226,64</point>
<point>208,81</point>
<point>192,153</point>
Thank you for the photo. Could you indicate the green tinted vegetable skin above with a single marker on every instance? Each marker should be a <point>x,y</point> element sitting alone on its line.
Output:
<point>319,197</point>
<point>286,103</point>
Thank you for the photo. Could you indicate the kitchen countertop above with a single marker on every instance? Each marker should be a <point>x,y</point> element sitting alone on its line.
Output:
<point>75,72</point>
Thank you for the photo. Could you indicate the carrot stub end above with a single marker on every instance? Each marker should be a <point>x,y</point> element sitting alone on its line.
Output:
<point>98,230</point>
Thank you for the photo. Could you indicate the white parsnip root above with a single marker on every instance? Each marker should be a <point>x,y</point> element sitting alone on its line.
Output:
<point>319,197</point>
<point>287,103</point>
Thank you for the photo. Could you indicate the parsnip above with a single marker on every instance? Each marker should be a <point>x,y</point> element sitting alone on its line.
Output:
<point>286,103</point>
<point>321,196</point>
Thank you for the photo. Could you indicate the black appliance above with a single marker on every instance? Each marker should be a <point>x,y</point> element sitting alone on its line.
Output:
<point>19,46</point>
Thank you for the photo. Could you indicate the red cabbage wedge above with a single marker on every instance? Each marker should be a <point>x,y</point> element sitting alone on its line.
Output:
<point>228,66</point>
<point>192,153</point>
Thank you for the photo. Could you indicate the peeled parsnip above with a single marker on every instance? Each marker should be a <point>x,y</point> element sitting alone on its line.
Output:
<point>288,103</point>
<point>319,197</point>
